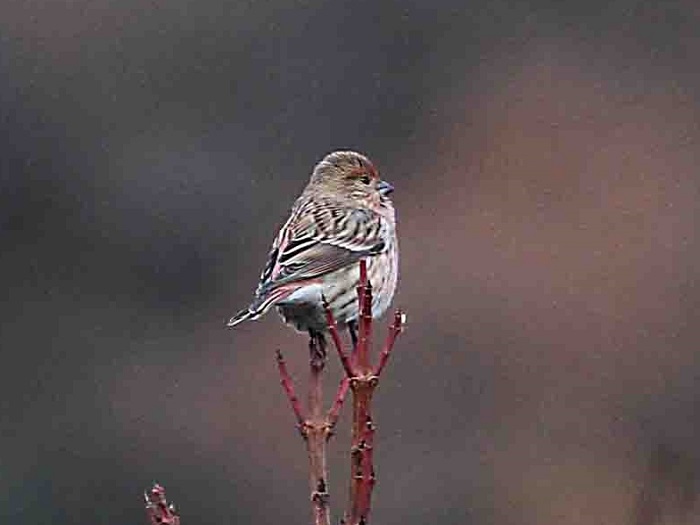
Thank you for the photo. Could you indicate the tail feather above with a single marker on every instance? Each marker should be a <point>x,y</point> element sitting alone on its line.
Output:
<point>259,306</point>
<point>241,316</point>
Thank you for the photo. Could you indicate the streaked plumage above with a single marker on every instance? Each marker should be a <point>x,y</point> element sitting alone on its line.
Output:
<point>343,215</point>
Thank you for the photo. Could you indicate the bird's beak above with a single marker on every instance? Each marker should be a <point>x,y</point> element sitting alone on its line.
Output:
<point>385,188</point>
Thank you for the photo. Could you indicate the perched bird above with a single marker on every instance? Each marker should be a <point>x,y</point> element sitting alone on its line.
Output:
<point>343,215</point>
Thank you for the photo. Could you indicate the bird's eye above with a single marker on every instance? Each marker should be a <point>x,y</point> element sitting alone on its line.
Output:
<point>365,179</point>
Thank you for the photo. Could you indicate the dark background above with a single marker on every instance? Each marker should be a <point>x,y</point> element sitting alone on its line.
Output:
<point>546,159</point>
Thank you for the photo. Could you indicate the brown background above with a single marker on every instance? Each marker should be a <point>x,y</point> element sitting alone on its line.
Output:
<point>546,160</point>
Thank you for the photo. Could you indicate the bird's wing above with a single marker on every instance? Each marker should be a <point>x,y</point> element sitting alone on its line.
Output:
<point>320,238</point>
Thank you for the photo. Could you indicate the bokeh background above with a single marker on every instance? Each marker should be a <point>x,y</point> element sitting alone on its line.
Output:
<point>546,160</point>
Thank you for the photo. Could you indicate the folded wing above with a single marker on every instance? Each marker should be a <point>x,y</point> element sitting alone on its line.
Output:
<point>318,239</point>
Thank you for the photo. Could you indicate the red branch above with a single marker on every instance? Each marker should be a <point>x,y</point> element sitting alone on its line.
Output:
<point>363,380</point>
<point>157,507</point>
<point>394,331</point>
<point>334,412</point>
<point>316,427</point>
<point>337,342</point>
<point>288,386</point>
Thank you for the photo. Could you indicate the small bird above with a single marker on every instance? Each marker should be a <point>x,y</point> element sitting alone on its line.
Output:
<point>343,215</point>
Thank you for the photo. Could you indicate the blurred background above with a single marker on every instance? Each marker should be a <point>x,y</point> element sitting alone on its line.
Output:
<point>545,156</point>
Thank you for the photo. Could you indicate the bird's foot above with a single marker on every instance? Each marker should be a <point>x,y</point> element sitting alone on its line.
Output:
<point>317,350</point>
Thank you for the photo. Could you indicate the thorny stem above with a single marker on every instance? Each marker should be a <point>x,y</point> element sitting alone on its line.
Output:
<point>317,428</point>
<point>334,412</point>
<point>361,466</point>
<point>337,342</point>
<point>394,331</point>
<point>363,380</point>
<point>288,386</point>
<point>316,435</point>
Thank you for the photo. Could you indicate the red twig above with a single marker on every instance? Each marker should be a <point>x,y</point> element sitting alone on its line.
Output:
<point>337,342</point>
<point>288,386</point>
<point>316,434</point>
<point>314,428</point>
<point>317,428</point>
<point>334,412</point>
<point>157,507</point>
<point>363,380</point>
<point>394,331</point>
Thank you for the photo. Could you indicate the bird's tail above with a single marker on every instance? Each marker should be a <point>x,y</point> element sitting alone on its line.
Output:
<point>260,305</point>
<point>241,316</point>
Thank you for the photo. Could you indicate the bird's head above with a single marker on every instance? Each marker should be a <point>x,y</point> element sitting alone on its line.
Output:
<point>351,176</point>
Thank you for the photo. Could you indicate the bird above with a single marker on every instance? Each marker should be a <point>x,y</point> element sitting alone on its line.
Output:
<point>343,215</point>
